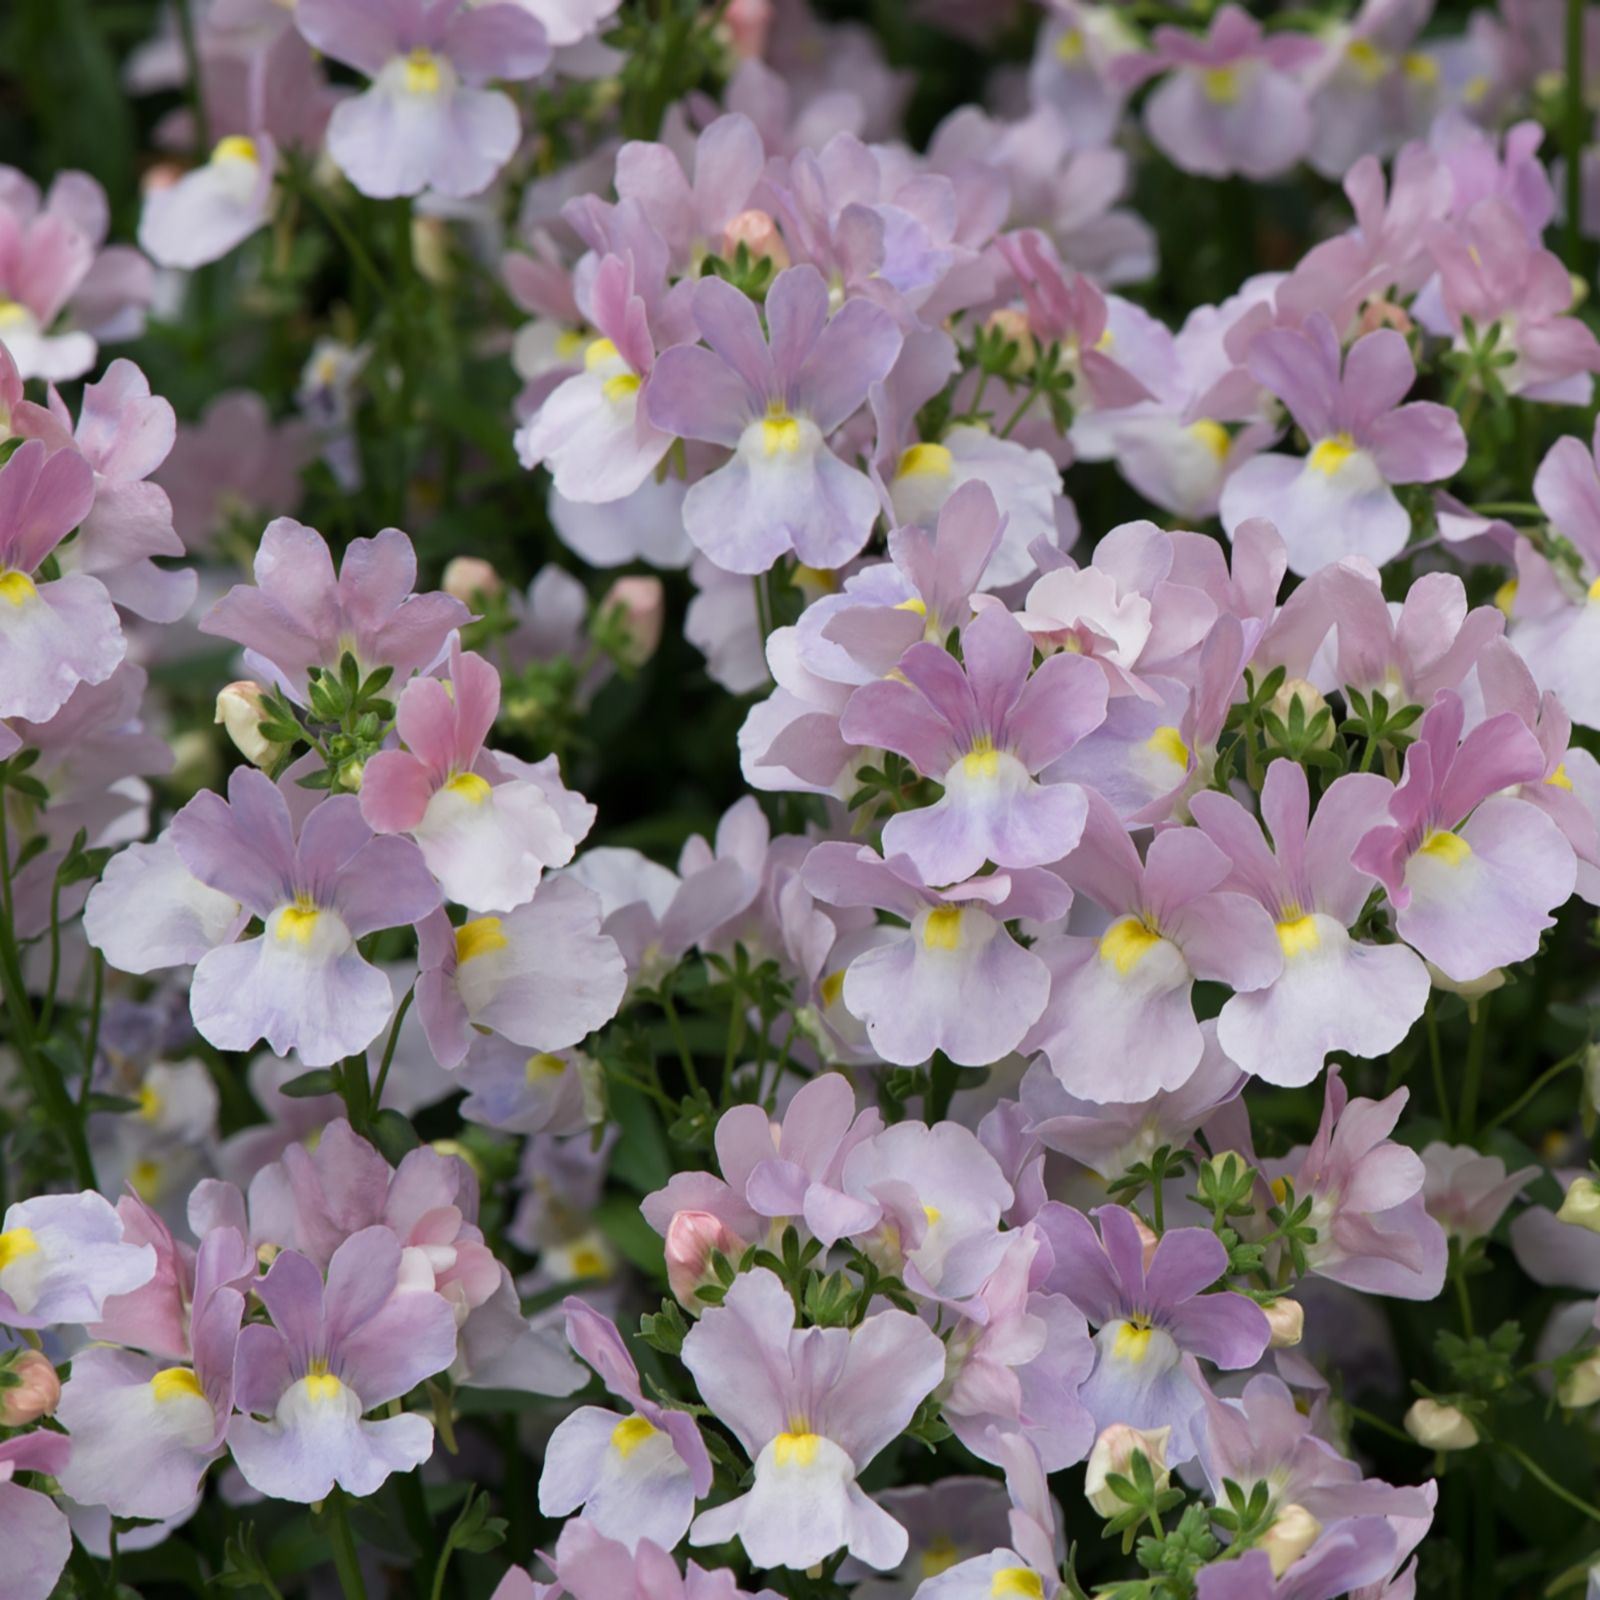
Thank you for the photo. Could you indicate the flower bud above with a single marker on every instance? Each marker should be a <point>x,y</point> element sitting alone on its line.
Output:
<point>1113,1454</point>
<point>1383,314</point>
<point>1013,325</point>
<point>759,234</point>
<point>1294,1530</point>
<point>747,23</point>
<point>1582,1206</point>
<point>1311,702</point>
<point>430,249</point>
<point>1436,1426</point>
<point>241,710</point>
<point>1287,1319</point>
<point>468,577</point>
<point>1581,1384</point>
<point>691,1237</point>
<point>642,604</point>
<point>29,1388</point>
<point>1148,1240</point>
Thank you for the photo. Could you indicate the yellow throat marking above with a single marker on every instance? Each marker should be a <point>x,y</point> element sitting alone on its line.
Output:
<point>478,938</point>
<point>1127,942</point>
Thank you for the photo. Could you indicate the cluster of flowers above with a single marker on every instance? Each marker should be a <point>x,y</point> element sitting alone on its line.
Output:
<point>1131,831</point>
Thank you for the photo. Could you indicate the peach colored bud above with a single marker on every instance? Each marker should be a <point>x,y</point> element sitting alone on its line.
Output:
<point>1113,1454</point>
<point>748,22</point>
<point>758,233</point>
<point>430,249</point>
<point>1383,314</point>
<point>1294,1530</point>
<point>1287,1319</point>
<point>1014,325</point>
<point>161,176</point>
<point>643,605</point>
<point>240,710</point>
<point>468,577</point>
<point>1148,1240</point>
<point>1311,703</point>
<point>691,1237</point>
<point>1440,1427</point>
<point>35,1393</point>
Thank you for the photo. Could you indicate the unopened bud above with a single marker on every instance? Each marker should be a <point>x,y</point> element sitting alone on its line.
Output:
<point>1582,1206</point>
<point>1294,1530</point>
<point>1581,1384</point>
<point>1113,1455</point>
<point>29,1388</point>
<point>1013,325</point>
<point>747,23</point>
<point>241,710</point>
<point>691,1237</point>
<point>468,578</point>
<point>641,603</point>
<point>431,249</point>
<point>1436,1426</point>
<point>1311,702</point>
<point>1287,1319</point>
<point>1383,314</point>
<point>1148,1240</point>
<point>759,234</point>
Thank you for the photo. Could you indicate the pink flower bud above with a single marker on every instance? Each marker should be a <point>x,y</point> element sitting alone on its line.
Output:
<point>642,604</point>
<point>691,1237</point>
<point>747,22</point>
<point>467,577</point>
<point>758,233</point>
<point>1113,1454</point>
<point>1383,314</point>
<point>1148,1240</point>
<point>33,1394</point>
<point>1013,324</point>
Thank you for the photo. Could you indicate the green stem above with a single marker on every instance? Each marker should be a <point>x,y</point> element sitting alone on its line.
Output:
<point>304,185</point>
<point>1017,415</point>
<point>1572,130</point>
<point>1436,1058</point>
<point>388,1049</point>
<point>1374,1421</point>
<point>1464,1300</point>
<point>684,1053</point>
<point>48,1009</point>
<point>91,1046</point>
<point>1539,1475</point>
<point>344,1547</point>
<point>1467,1111</point>
<point>1532,1090</point>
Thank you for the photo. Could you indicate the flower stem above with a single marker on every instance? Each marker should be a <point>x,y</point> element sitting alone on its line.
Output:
<point>1536,1472</point>
<point>388,1050</point>
<point>1532,1090</point>
<point>1572,130</point>
<point>1437,1059</point>
<point>344,1547</point>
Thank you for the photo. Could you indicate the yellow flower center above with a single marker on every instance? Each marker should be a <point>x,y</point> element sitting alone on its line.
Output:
<point>320,1383</point>
<point>174,1383</point>
<point>780,434</point>
<point>831,987</point>
<point>236,147</point>
<point>1168,742</point>
<point>149,1102</point>
<point>16,587</point>
<point>297,922</point>
<point>1505,597</point>
<point>1127,942</point>
<point>983,760</point>
<point>1213,436</point>
<point>629,1434</point>
<point>469,787</point>
<point>15,1243</point>
<point>543,1066</point>
<point>599,351</point>
<point>1221,85</point>
<point>795,1449</point>
<point>1132,1342</point>
<point>1020,1583</point>
<point>940,1555</point>
<point>1298,935</point>
<point>1331,454</point>
<point>942,931</point>
<point>1069,48</point>
<point>422,72</point>
<point>930,460</point>
<point>1447,847</point>
<point>621,386</point>
<point>12,312</point>
<point>1420,68</point>
<point>145,1178</point>
<point>1367,59</point>
<point>478,938</point>
<point>920,607</point>
<point>1559,777</point>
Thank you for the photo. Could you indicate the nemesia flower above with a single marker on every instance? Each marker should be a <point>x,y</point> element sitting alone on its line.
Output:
<point>955,980</point>
<point>62,1257</point>
<point>426,121</point>
<point>1149,1312</point>
<point>298,614</point>
<point>38,1540</point>
<point>542,975</point>
<point>302,983</point>
<point>215,208</point>
<point>636,1476</point>
<point>1334,993</point>
<point>948,1521</point>
<point>332,1353</point>
<point>985,730</point>
<point>775,404</point>
<point>811,1407</point>
<point>57,633</point>
<point>1124,997</point>
<point>1231,104</point>
<point>486,842</point>
<point>593,1567</point>
<point>1472,873</point>
<point>1373,1229</point>
<point>1338,500</point>
<point>1468,1193</point>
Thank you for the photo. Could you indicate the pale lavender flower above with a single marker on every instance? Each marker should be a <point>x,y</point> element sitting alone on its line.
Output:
<point>37,1538</point>
<point>302,983</point>
<point>637,1476</point>
<point>62,1256</point>
<point>954,980</point>
<point>1468,1193</point>
<point>426,121</point>
<point>812,1408</point>
<point>1339,500</point>
<point>592,1567</point>
<point>774,402</point>
<point>949,1521</point>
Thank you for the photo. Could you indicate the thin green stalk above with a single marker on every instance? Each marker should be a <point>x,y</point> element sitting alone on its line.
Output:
<point>48,1009</point>
<point>1539,1475</point>
<point>91,1045</point>
<point>1467,1111</point>
<point>1436,1058</point>
<point>1464,1301</point>
<point>1374,1421</point>
<point>388,1049</point>
<point>1532,1091</point>
<point>685,1055</point>
<point>343,1541</point>
<point>303,185</point>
